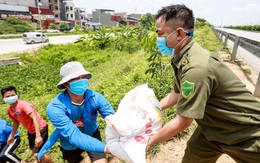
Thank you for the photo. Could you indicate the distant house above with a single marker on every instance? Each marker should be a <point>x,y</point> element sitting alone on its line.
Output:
<point>27,9</point>
<point>103,16</point>
<point>67,14</point>
<point>111,18</point>
<point>80,16</point>
<point>46,16</point>
<point>63,11</point>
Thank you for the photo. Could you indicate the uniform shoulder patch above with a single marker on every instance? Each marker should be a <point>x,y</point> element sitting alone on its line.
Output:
<point>187,89</point>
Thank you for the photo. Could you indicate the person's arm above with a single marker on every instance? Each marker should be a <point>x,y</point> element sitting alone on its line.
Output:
<point>8,129</point>
<point>14,129</point>
<point>104,107</point>
<point>53,138</point>
<point>170,100</point>
<point>70,131</point>
<point>169,130</point>
<point>38,139</point>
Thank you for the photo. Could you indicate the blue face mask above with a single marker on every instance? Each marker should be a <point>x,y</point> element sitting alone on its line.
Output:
<point>162,44</point>
<point>79,87</point>
<point>10,100</point>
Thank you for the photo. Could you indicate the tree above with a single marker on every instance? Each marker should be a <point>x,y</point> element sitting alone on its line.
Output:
<point>147,21</point>
<point>200,22</point>
<point>53,26</point>
<point>64,26</point>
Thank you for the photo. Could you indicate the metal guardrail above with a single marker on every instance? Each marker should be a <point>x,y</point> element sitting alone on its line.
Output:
<point>250,45</point>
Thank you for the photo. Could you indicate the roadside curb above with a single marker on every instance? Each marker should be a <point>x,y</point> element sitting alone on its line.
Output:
<point>10,61</point>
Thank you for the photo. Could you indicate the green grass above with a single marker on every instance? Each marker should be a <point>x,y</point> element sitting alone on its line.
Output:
<point>114,74</point>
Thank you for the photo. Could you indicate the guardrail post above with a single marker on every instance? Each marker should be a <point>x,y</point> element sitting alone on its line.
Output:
<point>221,37</point>
<point>235,47</point>
<point>219,34</point>
<point>226,40</point>
<point>215,31</point>
<point>257,88</point>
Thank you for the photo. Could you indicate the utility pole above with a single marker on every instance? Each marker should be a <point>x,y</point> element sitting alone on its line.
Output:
<point>135,16</point>
<point>99,12</point>
<point>39,12</point>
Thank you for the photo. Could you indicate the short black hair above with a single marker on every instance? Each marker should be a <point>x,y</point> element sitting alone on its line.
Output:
<point>177,13</point>
<point>8,88</point>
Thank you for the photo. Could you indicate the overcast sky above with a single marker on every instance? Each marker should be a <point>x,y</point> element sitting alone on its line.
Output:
<point>216,12</point>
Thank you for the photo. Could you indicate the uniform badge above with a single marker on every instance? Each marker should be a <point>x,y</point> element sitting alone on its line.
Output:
<point>184,62</point>
<point>187,89</point>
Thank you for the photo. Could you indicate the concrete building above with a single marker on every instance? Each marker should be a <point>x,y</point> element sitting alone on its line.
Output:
<point>27,9</point>
<point>19,2</point>
<point>44,3</point>
<point>103,16</point>
<point>63,11</point>
<point>89,16</point>
<point>112,18</point>
<point>15,8</point>
<point>55,6</point>
<point>80,16</point>
<point>136,16</point>
<point>46,16</point>
<point>67,10</point>
<point>21,12</point>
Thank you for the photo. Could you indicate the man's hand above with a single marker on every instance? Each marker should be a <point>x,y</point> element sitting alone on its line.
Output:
<point>148,146</point>
<point>10,140</point>
<point>38,141</point>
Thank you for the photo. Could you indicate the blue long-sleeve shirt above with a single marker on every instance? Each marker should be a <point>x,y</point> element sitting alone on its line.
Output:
<point>5,131</point>
<point>60,111</point>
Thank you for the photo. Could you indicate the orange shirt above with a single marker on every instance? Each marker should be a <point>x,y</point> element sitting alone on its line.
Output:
<point>21,114</point>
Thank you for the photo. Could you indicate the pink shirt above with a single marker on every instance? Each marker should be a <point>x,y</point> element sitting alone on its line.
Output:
<point>21,114</point>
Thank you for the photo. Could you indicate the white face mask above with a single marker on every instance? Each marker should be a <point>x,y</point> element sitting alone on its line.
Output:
<point>10,100</point>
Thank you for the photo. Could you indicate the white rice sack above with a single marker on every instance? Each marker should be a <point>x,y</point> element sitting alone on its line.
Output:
<point>138,118</point>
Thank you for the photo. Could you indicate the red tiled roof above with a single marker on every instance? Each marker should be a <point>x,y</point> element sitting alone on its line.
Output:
<point>44,11</point>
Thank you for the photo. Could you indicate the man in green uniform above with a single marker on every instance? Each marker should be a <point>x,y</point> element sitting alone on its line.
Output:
<point>206,90</point>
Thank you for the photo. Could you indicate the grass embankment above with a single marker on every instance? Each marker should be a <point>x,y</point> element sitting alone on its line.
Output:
<point>114,74</point>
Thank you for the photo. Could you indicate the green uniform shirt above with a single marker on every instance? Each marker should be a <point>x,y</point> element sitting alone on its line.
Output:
<point>214,96</point>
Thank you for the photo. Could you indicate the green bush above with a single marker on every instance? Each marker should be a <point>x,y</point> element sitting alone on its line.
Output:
<point>12,25</point>
<point>53,26</point>
<point>22,28</point>
<point>5,29</point>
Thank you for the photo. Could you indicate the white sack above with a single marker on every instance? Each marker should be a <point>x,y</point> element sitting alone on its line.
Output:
<point>138,118</point>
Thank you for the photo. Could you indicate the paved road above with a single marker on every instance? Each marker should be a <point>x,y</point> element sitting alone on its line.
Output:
<point>17,45</point>
<point>252,60</point>
<point>249,35</point>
